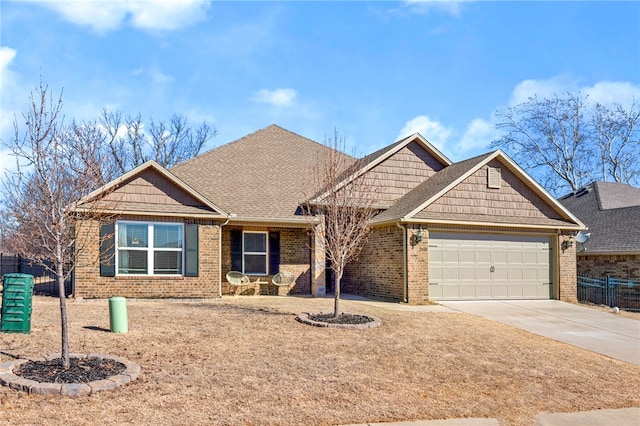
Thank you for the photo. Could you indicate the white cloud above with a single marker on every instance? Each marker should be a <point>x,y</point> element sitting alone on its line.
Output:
<point>605,92</point>
<point>276,97</point>
<point>155,74</point>
<point>103,16</point>
<point>158,77</point>
<point>478,136</point>
<point>453,7</point>
<point>542,88</point>
<point>6,56</point>
<point>432,130</point>
<point>609,92</point>
<point>9,90</point>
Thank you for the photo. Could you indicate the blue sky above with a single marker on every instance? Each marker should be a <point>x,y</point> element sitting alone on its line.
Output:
<point>375,71</point>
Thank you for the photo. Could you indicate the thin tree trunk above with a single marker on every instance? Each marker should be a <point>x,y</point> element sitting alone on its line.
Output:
<point>336,302</point>
<point>66,363</point>
<point>63,315</point>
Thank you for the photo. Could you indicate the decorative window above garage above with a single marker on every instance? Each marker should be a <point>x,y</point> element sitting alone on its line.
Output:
<point>494,177</point>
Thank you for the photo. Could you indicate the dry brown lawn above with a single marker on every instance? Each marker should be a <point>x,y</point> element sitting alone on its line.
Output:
<point>246,361</point>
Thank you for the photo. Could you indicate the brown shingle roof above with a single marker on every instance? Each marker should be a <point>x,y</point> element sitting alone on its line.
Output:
<point>264,175</point>
<point>612,213</point>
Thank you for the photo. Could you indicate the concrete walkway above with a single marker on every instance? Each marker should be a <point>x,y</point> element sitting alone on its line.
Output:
<point>621,417</point>
<point>605,333</point>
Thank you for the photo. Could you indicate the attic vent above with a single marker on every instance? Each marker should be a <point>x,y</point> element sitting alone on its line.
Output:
<point>494,177</point>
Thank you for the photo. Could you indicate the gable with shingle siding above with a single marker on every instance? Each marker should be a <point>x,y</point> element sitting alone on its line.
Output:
<point>472,197</point>
<point>403,171</point>
<point>151,192</point>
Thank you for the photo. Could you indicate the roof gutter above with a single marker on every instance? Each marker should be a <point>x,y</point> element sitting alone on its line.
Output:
<point>302,223</point>
<point>405,281</point>
<point>485,224</point>
<point>606,253</point>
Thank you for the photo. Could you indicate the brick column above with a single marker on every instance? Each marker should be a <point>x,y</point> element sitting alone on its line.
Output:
<point>318,261</point>
<point>417,269</point>
<point>567,269</point>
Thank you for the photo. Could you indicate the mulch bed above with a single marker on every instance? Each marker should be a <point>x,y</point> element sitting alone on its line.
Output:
<point>341,319</point>
<point>81,370</point>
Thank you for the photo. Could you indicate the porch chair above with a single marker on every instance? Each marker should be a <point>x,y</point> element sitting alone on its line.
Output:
<point>237,279</point>
<point>283,279</point>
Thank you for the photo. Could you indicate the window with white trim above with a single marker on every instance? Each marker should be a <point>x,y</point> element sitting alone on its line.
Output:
<point>149,248</point>
<point>254,252</point>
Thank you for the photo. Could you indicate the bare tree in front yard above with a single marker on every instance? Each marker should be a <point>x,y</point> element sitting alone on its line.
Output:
<point>54,169</point>
<point>344,203</point>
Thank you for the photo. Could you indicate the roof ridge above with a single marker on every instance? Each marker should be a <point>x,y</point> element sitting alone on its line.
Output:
<point>250,135</point>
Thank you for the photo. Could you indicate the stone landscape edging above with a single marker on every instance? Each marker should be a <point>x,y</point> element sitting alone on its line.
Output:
<point>13,381</point>
<point>304,318</point>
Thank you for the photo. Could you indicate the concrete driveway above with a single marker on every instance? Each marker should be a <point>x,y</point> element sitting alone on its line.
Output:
<point>601,332</point>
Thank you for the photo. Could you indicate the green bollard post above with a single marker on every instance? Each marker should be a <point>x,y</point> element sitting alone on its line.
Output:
<point>118,321</point>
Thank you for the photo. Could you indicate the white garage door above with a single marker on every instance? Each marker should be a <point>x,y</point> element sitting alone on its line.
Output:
<point>489,266</point>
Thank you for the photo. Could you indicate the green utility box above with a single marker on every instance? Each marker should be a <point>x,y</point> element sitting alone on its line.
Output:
<point>118,321</point>
<point>17,296</point>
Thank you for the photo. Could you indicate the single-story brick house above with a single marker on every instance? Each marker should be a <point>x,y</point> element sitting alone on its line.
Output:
<point>611,210</point>
<point>476,229</point>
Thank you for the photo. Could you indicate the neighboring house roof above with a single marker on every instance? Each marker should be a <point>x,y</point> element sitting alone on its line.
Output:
<point>150,189</point>
<point>611,212</point>
<point>261,177</point>
<point>414,206</point>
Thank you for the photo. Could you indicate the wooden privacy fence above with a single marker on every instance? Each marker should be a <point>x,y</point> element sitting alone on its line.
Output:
<point>610,291</point>
<point>44,280</point>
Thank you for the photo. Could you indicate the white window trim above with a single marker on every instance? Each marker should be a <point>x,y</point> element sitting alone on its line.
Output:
<point>265,253</point>
<point>150,249</point>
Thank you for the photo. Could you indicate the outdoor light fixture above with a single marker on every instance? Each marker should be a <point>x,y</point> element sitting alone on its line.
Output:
<point>580,237</point>
<point>416,237</point>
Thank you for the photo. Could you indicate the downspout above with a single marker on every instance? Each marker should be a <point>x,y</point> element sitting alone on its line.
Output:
<point>405,281</point>
<point>220,255</point>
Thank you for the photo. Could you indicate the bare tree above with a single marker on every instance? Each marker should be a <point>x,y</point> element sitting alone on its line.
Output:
<point>567,142</point>
<point>617,133</point>
<point>130,143</point>
<point>344,203</point>
<point>54,169</point>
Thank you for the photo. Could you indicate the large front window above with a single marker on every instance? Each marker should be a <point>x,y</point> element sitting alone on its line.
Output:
<point>254,253</point>
<point>149,248</point>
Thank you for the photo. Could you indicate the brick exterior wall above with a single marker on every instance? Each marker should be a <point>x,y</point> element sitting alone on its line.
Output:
<point>417,267</point>
<point>378,270</point>
<point>294,257</point>
<point>567,270</point>
<point>89,284</point>
<point>624,266</point>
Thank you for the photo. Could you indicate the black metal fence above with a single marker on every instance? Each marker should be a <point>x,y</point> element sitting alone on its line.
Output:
<point>44,280</point>
<point>609,291</point>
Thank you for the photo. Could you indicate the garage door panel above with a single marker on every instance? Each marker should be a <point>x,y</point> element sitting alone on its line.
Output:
<point>515,275</point>
<point>450,256</point>
<point>498,256</point>
<point>499,291</point>
<point>435,292</point>
<point>514,257</point>
<point>483,291</point>
<point>483,256</point>
<point>489,266</point>
<point>515,291</point>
